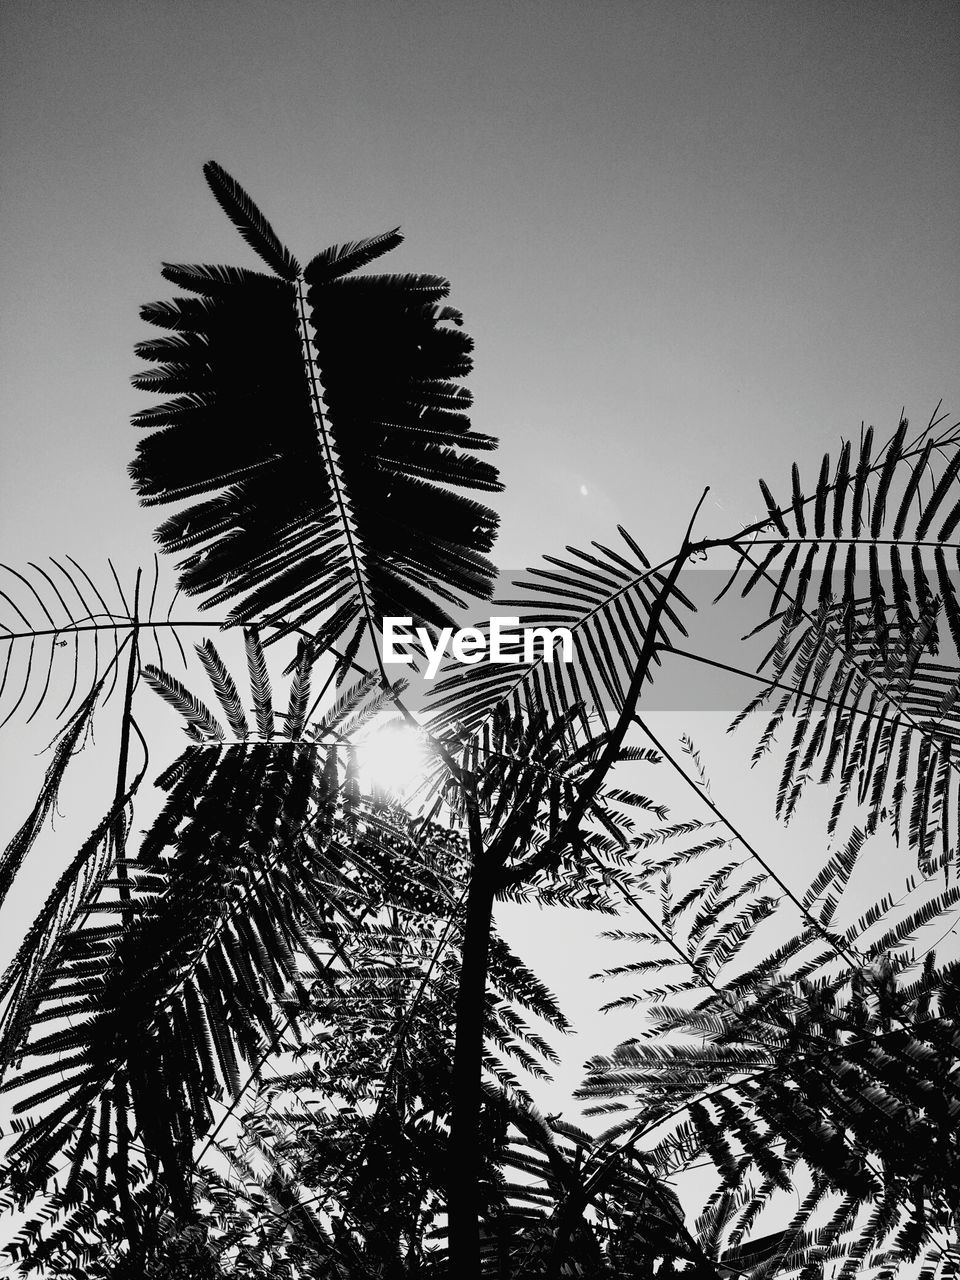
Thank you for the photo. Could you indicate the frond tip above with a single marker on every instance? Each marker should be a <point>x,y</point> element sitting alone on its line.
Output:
<point>249,221</point>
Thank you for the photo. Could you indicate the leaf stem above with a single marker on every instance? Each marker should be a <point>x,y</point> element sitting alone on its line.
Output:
<point>119,827</point>
<point>334,477</point>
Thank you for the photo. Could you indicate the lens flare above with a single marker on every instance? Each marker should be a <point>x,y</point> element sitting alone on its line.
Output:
<point>392,758</point>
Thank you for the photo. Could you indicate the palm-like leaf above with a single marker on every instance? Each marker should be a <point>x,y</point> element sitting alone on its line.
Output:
<point>336,503</point>
<point>24,979</point>
<point>555,1216</point>
<point>605,596</point>
<point>786,1059</point>
<point>249,221</point>
<point>185,980</point>
<point>883,729</point>
<point>163,999</point>
<point>867,705</point>
<point>60,617</point>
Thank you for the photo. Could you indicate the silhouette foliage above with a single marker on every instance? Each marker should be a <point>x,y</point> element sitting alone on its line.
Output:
<point>274,1029</point>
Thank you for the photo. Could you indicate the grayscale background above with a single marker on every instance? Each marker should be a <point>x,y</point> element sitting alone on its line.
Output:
<point>693,242</point>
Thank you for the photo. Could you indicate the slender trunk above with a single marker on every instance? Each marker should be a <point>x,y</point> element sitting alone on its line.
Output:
<point>464,1152</point>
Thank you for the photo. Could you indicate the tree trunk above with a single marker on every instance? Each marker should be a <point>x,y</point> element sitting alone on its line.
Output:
<point>464,1153</point>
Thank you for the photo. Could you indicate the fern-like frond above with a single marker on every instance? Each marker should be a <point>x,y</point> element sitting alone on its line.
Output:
<point>181,982</point>
<point>880,728</point>
<point>604,597</point>
<point>844,1073</point>
<point>342,506</point>
<point>249,221</point>
<point>225,688</point>
<point>259,682</point>
<point>202,724</point>
<point>60,632</point>
<point>340,259</point>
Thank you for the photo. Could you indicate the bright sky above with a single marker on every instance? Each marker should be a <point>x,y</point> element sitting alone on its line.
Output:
<point>692,241</point>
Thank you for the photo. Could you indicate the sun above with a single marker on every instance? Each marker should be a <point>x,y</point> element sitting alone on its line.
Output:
<point>392,758</point>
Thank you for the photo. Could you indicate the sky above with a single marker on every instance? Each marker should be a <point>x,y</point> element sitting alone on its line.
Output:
<point>692,241</point>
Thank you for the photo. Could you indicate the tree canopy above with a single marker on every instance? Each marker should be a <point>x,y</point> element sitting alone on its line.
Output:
<point>265,1023</point>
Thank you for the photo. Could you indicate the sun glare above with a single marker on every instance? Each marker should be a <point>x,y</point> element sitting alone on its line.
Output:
<point>392,758</point>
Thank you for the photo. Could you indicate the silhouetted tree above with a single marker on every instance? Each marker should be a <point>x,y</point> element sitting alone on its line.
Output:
<point>277,1032</point>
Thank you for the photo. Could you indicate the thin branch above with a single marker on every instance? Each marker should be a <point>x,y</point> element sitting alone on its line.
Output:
<point>851,958</point>
<point>554,846</point>
<point>119,830</point>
